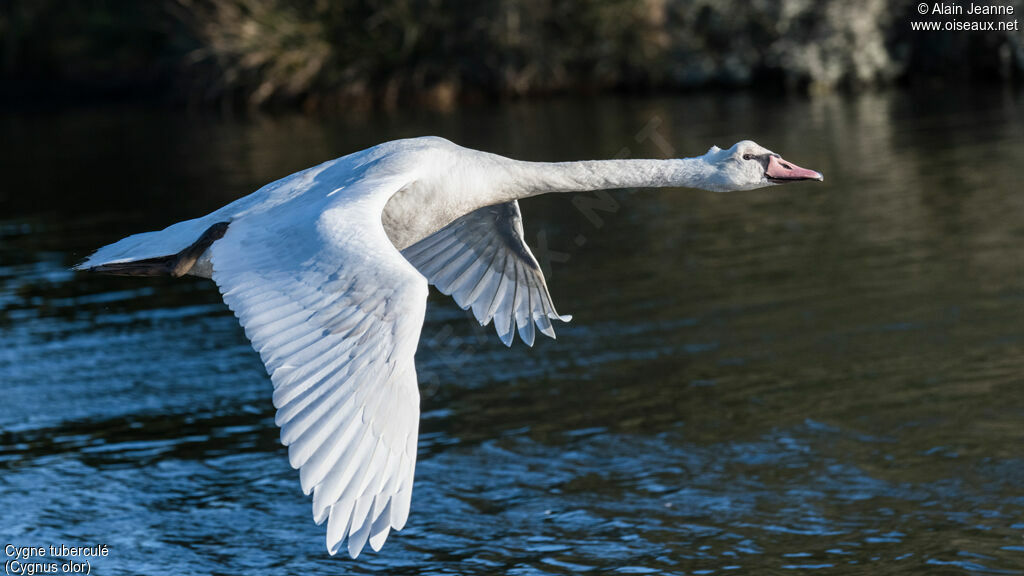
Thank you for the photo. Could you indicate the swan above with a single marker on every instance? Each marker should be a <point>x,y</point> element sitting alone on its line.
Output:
<point>327,271</point>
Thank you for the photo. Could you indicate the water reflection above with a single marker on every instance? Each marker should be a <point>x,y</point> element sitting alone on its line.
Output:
<point>804,378</point>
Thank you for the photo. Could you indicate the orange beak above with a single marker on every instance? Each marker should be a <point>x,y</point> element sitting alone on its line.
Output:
<point>779,171</point>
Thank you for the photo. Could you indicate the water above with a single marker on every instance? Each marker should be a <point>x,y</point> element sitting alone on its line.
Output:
<point>808,378</point>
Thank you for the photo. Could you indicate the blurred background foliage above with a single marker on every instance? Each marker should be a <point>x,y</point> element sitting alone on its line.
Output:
<point>320,54</point>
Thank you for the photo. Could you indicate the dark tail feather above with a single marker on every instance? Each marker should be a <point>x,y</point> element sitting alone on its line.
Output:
<point>162,266</point>
<point>173,265</point>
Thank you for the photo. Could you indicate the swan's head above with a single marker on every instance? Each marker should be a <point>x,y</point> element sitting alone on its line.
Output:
<point>747,165</point>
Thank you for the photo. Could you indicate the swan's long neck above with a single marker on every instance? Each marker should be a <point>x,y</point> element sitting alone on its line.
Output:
<point>525,179</point>
<point>484,179</point>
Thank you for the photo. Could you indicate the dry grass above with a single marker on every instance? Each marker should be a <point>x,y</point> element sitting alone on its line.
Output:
<point>343,53</point>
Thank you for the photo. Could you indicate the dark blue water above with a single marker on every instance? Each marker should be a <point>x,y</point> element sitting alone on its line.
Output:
<point>813,378</point>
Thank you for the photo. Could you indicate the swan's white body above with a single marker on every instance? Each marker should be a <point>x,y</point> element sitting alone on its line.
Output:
<point>327,271</point>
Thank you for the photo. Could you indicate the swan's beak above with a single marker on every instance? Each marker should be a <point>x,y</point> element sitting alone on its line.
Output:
<point>779,171</point>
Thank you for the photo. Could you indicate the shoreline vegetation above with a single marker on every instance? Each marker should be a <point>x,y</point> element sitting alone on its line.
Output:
<point>318,55</point>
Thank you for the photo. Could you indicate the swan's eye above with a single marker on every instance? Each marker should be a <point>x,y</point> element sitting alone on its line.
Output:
<point>748,156</point>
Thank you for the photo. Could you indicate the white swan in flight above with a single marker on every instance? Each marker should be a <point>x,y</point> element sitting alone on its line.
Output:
<point>327,271</point>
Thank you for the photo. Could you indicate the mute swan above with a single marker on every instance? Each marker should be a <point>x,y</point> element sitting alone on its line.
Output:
<point>327,271</point>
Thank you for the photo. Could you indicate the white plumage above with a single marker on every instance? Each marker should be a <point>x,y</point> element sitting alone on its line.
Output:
<point>327,271</point>
<point>483,262</point>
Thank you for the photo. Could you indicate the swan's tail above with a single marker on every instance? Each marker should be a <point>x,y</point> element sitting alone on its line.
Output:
<point>168,252</point>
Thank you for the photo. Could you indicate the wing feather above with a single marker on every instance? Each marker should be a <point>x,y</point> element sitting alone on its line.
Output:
<point>483,262</point>
<point>335,313</point>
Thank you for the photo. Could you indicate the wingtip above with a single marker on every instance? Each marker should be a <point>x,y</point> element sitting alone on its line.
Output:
<point>334,548</point>
<point>507,337</point>
<point>320,515</point>
<point>526,334</point>
<point>355,545</point>
<point>377,540</point>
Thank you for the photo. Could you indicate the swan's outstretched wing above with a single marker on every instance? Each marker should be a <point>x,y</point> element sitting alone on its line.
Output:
<point>483,262</point>
<point>335,313</point>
